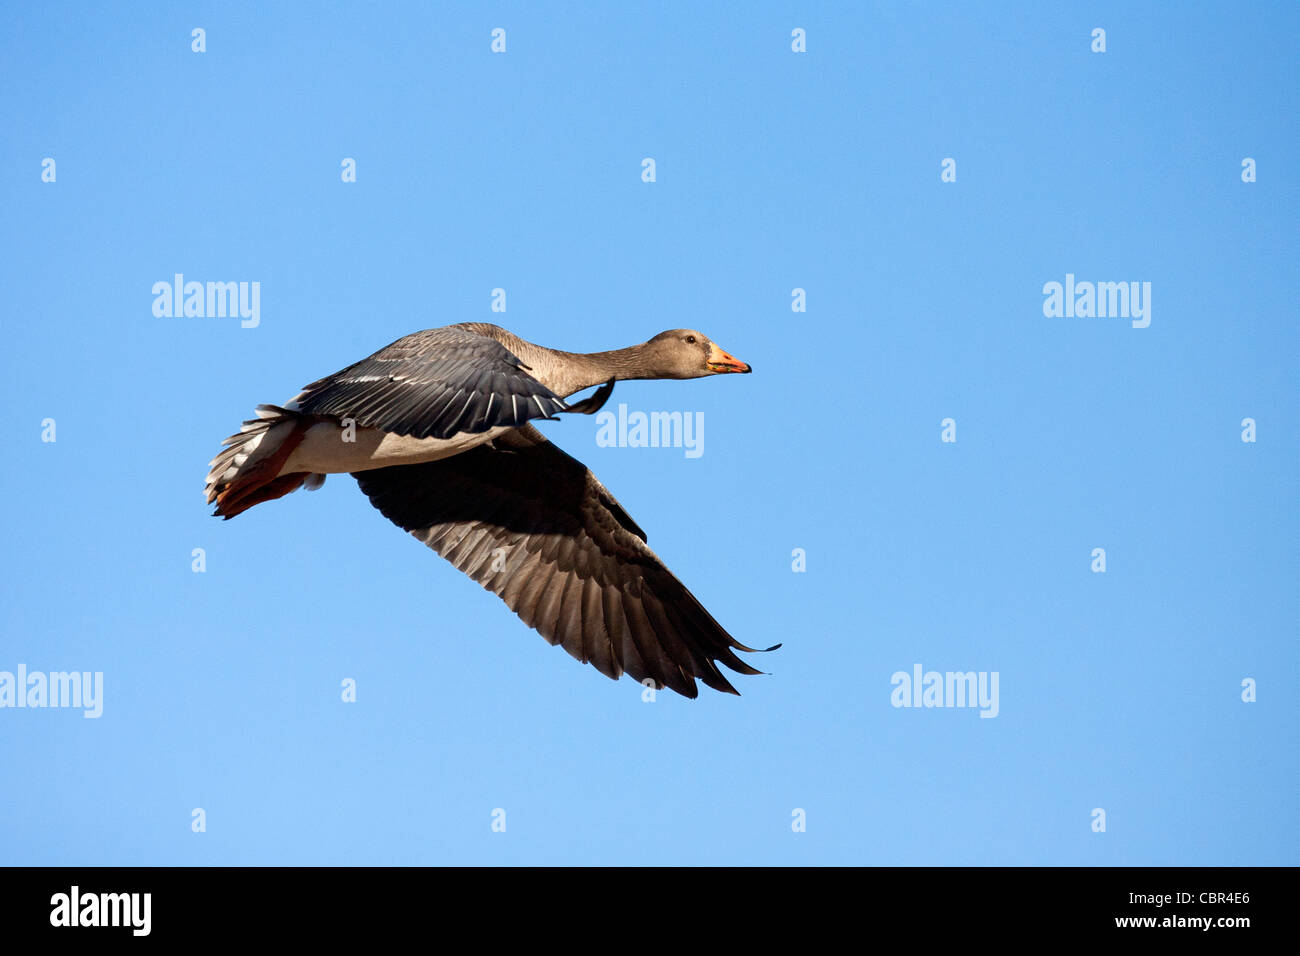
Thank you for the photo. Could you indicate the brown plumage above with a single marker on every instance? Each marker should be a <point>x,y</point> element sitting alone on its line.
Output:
<point>443,448</point>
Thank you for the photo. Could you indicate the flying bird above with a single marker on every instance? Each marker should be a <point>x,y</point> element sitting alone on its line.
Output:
<point>436,429</point>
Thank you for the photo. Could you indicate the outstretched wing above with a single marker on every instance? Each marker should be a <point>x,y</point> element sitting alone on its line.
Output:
<point>535,527</point>
<point>433,384</point>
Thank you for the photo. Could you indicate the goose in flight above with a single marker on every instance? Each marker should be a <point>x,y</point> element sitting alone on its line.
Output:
<point>436,430</point>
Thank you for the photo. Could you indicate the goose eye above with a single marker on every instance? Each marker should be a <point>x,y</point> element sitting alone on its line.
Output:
<point>690,340</point>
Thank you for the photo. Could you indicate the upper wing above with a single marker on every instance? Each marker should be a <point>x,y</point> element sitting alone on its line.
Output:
<point>433,384</point>
<point>535,527</point>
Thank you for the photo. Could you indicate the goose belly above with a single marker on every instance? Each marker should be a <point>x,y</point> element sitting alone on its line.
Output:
<point>323,449</point>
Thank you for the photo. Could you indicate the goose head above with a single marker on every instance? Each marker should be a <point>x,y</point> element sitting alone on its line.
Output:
<point>685,353</point>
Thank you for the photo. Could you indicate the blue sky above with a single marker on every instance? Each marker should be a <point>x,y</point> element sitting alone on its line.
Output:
<point>775,170</point>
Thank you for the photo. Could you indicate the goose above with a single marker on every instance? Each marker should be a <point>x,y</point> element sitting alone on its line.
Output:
<point>436,429</point>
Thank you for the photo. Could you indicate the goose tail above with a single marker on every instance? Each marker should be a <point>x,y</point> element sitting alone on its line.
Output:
<point>247,470</point>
